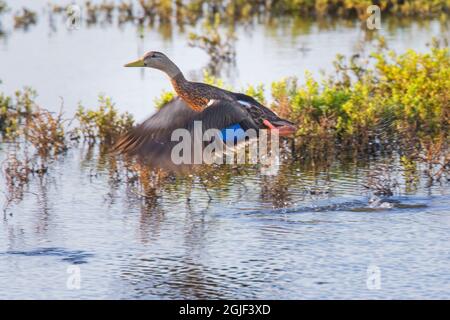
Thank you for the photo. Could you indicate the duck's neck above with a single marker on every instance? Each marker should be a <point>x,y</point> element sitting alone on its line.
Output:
<point>188,93</point>
<point>172,70</point>
<point>180,84</point>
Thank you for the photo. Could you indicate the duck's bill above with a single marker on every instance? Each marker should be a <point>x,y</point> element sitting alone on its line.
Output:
<point>137,63</point>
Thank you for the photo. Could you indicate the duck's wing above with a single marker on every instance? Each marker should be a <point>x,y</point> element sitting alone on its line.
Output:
<point>152,134</point>
<point>260,112</point>
<point>152,141</point>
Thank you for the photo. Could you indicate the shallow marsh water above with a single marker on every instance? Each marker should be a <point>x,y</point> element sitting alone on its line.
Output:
<point>302,233</point>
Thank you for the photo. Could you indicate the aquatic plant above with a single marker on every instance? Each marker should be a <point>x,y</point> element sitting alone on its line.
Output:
<point>219,47</point>
<point>3,8</point>
<point>125,10</point>
<point>153,9</point>
<point>13,110</point>
<point>190,12</point>
<point>45,132</point>
<point>6,121</point>
<point>404,94</point>
<point>105,123</point>
<point>435,154</point>
<point>107,8</point>
<point>24,18</point>
<point>164,98</point>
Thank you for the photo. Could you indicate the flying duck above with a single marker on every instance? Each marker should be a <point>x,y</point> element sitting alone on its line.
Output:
<point>215,107</point>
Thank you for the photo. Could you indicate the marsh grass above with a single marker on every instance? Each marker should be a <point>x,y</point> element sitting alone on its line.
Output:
<point>104,124</point>
<point>24,18</point>
<point>14,110</point>
<point>45,131</point>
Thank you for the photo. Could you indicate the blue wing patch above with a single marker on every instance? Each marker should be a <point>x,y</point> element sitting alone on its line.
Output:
<point>233,132</point>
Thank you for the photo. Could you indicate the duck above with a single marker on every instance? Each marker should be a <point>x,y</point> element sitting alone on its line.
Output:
<point>215,107</point>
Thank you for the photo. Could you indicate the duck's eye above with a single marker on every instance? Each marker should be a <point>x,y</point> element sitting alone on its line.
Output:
<point>153,56</point>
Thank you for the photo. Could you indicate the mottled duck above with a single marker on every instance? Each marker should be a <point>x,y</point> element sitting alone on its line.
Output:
<point>215,107</point>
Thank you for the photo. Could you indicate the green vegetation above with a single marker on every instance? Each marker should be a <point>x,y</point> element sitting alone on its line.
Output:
<point>394,97</point>
<point>244,10</point>
<point>358,7</point>
<point>105,123</point>
<point>165,97</point>
<point>366,104</point>
<point>13,110</point>
<point>384,103</point>
<point>189,12</point>
<point>405,94</point>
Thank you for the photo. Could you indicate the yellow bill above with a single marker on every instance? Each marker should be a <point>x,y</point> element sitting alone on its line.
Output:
<point>137,63</point>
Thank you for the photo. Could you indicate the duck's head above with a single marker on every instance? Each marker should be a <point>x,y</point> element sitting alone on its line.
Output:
<point>156,60</point>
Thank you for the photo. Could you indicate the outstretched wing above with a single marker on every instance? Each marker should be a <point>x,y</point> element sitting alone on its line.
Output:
<point>259,111</point>
<point>151,140</point>
<point>152,134</point>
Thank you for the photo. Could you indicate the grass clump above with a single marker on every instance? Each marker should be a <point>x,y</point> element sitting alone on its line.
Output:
<point>14,110</point>
<point>104,124</point>
<point>45,131</point>
<point>164,98</point>
<point>7,123</point>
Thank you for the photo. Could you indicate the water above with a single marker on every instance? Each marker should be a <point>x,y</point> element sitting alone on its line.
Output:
<point>307,232</point>
<point>301,234</point>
